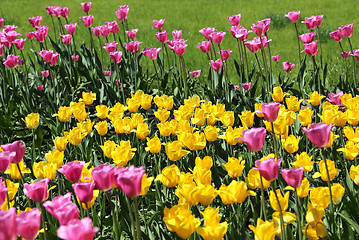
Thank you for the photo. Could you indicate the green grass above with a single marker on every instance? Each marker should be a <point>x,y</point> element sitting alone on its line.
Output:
<point>190,16</point>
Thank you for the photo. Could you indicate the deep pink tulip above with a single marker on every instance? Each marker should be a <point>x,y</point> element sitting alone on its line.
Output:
<point>132,33</point>
<point>86,7</point>
<point>172,43</point>
<point>30,35</point>
<point>293,16</point>
<point>252,46</point>
<point>87,20</point>
<point>293,177</point>
<point>236,87</point>
<point>72,170</point>
<point>28,224</point>
<point>346,30</point>
<point>195,73</point>
<point>336,35</point>
<point>133,46</point>
<point>355,54</point>
<point>318,133</point>
<point>62,208</point>
<point>20,43</point>
<point>111,46</point>
<point>103,176</point>
<point>275,58</point>
<point>207,31</point>
<point>313,21</point>
<point>77,229</point>
<point>71,28</point>
<point>107,73</point>
<point>246,86</point>
<point>129,180</point>
<point>254,138</point>
<point>122,12</point>
<point>18,147</point>
<point>1,22</point>
<point>1,50</point>
<point>54,59</point>
<point>113,26</point>
<point>105,30</point>
<point>5,160</point>
<point>8,224</point>
<point>84,191</point>
<point>216,65</point>
<point>40,87</point>
<point>41,33</point>
<point>335,98</point>
<point>180,49</point>
<point>65,12</point>
<point>240,32</point>
<point>225,54</point>
<point>235,20</point>
<point>11,36</point>
<point>177,34</point>
<point>311,48</point>
<point>307,37</point>
<point>45,73</point>
<point>35,21</point>
<point>152,53</point>
<point>21,62</point>
<point>345,55</point>
<point>49,10</point>
<point>270,111</point>
<point>8,28</point>
<point>11,61</point>
<point>75,57</point>
<point>268,168</point>
<point>259,29</point>
<point>205,46</point>
<point>4,41</point>
<point>266,23</point>
<point>66,39</point>
<point>287,66</point>
<point>217,37</point>
<point>3,191</point>
<point>158,24</point>
<point>37,191</point>
<point>116,56</point>
<point>162,36</point>
<point>96,31</point>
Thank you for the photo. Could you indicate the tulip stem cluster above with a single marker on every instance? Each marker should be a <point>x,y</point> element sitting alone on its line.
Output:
<point>282,228</point>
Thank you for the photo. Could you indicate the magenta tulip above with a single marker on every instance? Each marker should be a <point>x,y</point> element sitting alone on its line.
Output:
<point>177,34</point>
<point>152,53</point>
<point>65,12</point>
<point>11,36</point>
<point>113,26</point>
<point>311,48</point>
<point>35,21</point>
<point>105,30</point>
<point>345,55</point>
<point>77,229</point>
<point>246,86</point>
<point>158,24</point>
<point>46,55</point>
<point>30,35</point>
<point>133,46</point>
<point>66,39</point>
<point>335,98</point>
<point>132,33</point>
<point>240,33</point>
<point>313,21</point>
<point>216,65</point>
<point>86,7</point>
<point>217,37</point>
<point>1,22</point>
<point>254,138</point>
<point>252,46</point>
<point>5,160</point>
<point>116,56</point>
<point>41,33</point>
<point>72,170</point>
<point>3,191</point>
<point>111,47</point>
<point>40,87</point>
<point>20,43</point>
<point>225,54</point>
<point>107,73</point>
<point>8,28</point>
<point>8,224</point>
<point>293,177</point>
<point>96,31</point>
<point>180,49</point>
<point>270,111</point>
<point>235,20</point>
<point>84,191</point>
<point>103,176</point>
<point>287,66</point>
<point>336,35</point>
<point>87,20</point>
<point>293,16</point>
<point>207,31</point>
<point>355,54</point>
<point>1,50</point>
<point>54,59</point>
<point>195,73</point>
<point>18,147</point>
<point>75,57</point>
<point>346,30</point>
<point>11,61</point>
<point>162,36</point>
<point>71,28</point>
<point>268,168</point>
<point>307,37</point>
<point>122,12</point>
<point>275,58</point>
<point>259,29</point>
<point>318,133</point>
<point>37,191</point>
<point>205,46</point>
<point>266,23</point>
<point>129,180</point>
<point>45,73</point>
<point>28,224</point>
<point>49,10</point>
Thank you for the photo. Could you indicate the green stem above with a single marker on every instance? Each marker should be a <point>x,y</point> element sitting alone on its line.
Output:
<point>137,220</point>
<point>43,221</point>
<point>354,77</point>
<point>296,30</point>
<point>346,66</point>
<point>131,217</point>
<point>275,142</point>
<point>7,192</point>
<point>282,229</point>
<point>320,48</point>
<point>299,216</point>
<point>263,206</point>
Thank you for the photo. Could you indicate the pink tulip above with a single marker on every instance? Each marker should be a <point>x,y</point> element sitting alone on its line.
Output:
<point>195,73</point>
<point>275,58</point>
<point>246,86</point>
<point>110,47</point>
<point>87,20</point>
<point>259,29</point>
<point>270,111</point>
<point>72,170</point>
<point>45,73</point>
<point>162,36</point>
<point>129,179</point>
<point>103,176</point>
<point>113,26</point>
<point>252,46</point>
<point>345,55</point>
<point>293,177</point>
<point>84,191</point>
<point>346,30</point>
<point>313,21</point>
<point>177,34</point>
<point>307,37</point>
<point>21,62</point>
<point>41,33</point>
<point>11,61</point>
<point>266,23</point>
<point>46,55</point>
<point>152,53</point>
<point>236,87</point>
<point>37,191</point>
<point>311,48</point>
<point>1,22</point>
<point>116,56</point>
<point>65,12</point>
<point>11,36</point>
<point>133,46</point>
<point>107,73</point>
<point>4,41</point>
<point>335,98</point>
<point>5,160</point>
<point>158,24</point>
<point>355,54</point>
<point>207,31</point>
<point>20,43</point>
<point>86,7</point>
<point>1,50</point>
<point>8,224</point>
<point>217,37</point>
<point>225,54</point>
<point>8,28</point>
<point>71,28</point>
<point>40,87</point>
<point>254,138</point>
<point>3,191</point>
<point>287,66</point>
<point>62,208</point>
<point>35,21</point>
<point>28,224</point>
<point>66,39</point>
<point>96,31</point>
<point>240,33</point>
<point>49,10</point>
<point>216,65</point>
<point>122,12</point>
<point>77,230</point>
<point>268,168</point>
<point>293,16</point>
<point>75,57</point>
<point>105,30</point>
<point>235,20</point>
<point>318,133</point>
<point>336,35</point>
<point>30,35</point>
<point>180,49</point>
<point>54,59</point>
<point>205,46</point>
<point>132,33</point>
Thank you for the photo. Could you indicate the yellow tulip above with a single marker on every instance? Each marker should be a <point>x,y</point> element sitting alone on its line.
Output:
<point>32,120</point>
<point>291,144</point>
<point>320,197</point>
<point>235,192</point>
<point>213,230</point>
<point>133,104</point>
<point>337,192</point>
<point>340,119</point>
<point>136,119</point>
<point>162,114</point>
<point>88,98</point>
<point>86,173</point>
<point>354,174</point>
<point>75,136</point>
<point>188,193</point>
<point>234,167</point>
<point>206,162</point>
<point>315,98</point>
<point>283,201</point>
<point>116,112</point>
<point>315,232</point>
<point>232,135</point>
<point>164,101</point>
<point>302,190</point>
<point>303,160</point>
<point>56,157</point>
<point>264,230</point>
<point>353,116</point>
<point>305,117</point>
<point>80,114</point>
<point>199,117</point>
<point>60,143</point>
<point>314,214</point>
<point>202,176</point>
<point>253,180</point>
<point>44,169</point>
<point>195,101</point>
<point>228,118</point>
<point>174,150</point>
<point>195,141</point>
<point>86,126</point>
<point>207,194</point>
<point>165,128</point>
<point>146,101</point>
<point>102,127</point>
<point>182,126</point>
<point>153,145</point>
<point>247,118</point>
<point>14,171</point>
<point>123,153</point>
<point>293,103</point>
<point>145,184</point>
<point>108,147</point>
<point>333,171</point>
<point>211,133</point>
<point>142,131</point>
<point>64,114</point>
<point>169,176</point>
<point>102,111</point>
<point>351,150</point>
<point>12,189</point>
<point>184,112</point>
<point>122,125</point>
<point>278,94</point>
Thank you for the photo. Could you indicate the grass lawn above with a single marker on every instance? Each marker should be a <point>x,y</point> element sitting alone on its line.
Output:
<point>190,16</point>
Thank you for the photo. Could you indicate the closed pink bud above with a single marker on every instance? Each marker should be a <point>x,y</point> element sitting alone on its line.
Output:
<point>122,12</point>
<point>71,28</point>
<point>270,111</point>
<point>11,61</point>
<point>77,229</point>
<point>107,73</point>
<point>96,31</point>
<point>158,24</point>
<point>28,224</point>
<point>40,87</point>
<point>30,35</point>
<point>225,54</point>
<point>207,31</point>
<point>84,191</point>
<point>318,133</point>
<point>45,73</point>
<point>180,49</point>
<point>72,170</point>
<point>8,224</point>
<point>132,33</point>
<point>216,65</point>
<point>335,98</point>
<point>54,59</point>
<point>177,34</point>
<point>65,12</point>
<point>35,21</point>
<point>129,180</point>
<point>246,86</point>
<point>87,20</point>
<point>18,147</point>
<point>3,191</point>
<point>105,30</point>
<point>86,7</point>
<point>254,138</point>
<point>235,20</point>
<point>20,43</point>
<point>133,46</point>
<point>103,176</point>
<point>152,53</point>
<point>336,35</point>
<point>5,160</point>
<point>66,39</point>
<point>268,168</point>
<point>346,30</point>
<point>275,58</point>
<point>162,36</point>
<point>345,55</point>
<point>287,66</point>
<point>293,16</point>
<point>116,56</point>
<point>205,46</point>
<point>1,22</point>
<point>75,57</point>
<point>217,37</point>
<point>195,73</point>
<point>293,177</point>
<point>37,191</point>
<point>311,48</point>
<point>307,37</point>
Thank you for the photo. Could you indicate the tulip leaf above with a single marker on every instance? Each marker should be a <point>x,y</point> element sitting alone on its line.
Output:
<point>352,223</point>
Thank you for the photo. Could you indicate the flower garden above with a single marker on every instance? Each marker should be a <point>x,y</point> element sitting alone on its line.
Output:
<point>115,140</point>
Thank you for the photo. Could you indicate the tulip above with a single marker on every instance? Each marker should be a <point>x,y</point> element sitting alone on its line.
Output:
<point>293,16</point>
<point>313,21</point>
<point>207,31</point>
<point>254,138</point>
<point>293,177</point>
<point>129,180</point>
<point>268,168</point>
<point>240,33</point>
<point>87,20</point>
<point>72,170</point>
<point>318,133</point>
<point>5,160</point>
<point>122,12</point>
<point>3,192</point>
<point>111,47</point>
<point>11,36</point>
<point>116,56</point>
<point>40,35</point>
<point>75,57</point>
<point>133,46</point>
<point>246,86</point>
<point>71,28</point>
<point>19,43</point>
<point>162,36</point>
<point>37,191</point>
<point>335,98</point>
<point>113,26</point>
<point>86,7</point>
<point>259,29</point>
<point>345,55</point>
<point>275,58</point>
<point>311,48</point>
<point>132,33</point>
<point>180,49</point>
<point>18,147</point>
<point>217,37</point>
<point>66,39</point>
<point>105,30</point>
<point>35,21</point>
<point>252,46</point>
<point>346,30</point>
<point>225,54</point>
<point>96,31</point>
<point>30,35</point>
<point>1,22</point>
<point>8,224</point>
<point>235,20</point>
<point>270,111</point>
<point>216,65</point>
<point>11,61</point>
<point>287,66</point>
<point>103,176</point>
<point>77,229</point>
<point>54,59</point>
<point>1,50</point>
<point>205,46</point>
<point>177,34</point>
<point>158,24</point>
<point>307,37</point>
<point>107,73</point>
<point>62,208</point>
<point>152,53</point>
<point>65,12</point>
<point>195,73</point>
<point>32,120</point>
<point>336,35</point>
<point>46,55</point>
<point>28,224</point>
<point>84,191</point>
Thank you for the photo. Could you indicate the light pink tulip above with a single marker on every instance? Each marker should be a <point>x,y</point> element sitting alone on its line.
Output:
<point>240,33</point>
<point>28,224</point>
<point>287,66</point>
<point>87,20</point>
<point>122,12</point>
<point>129,180</point>
<point>205,46</point>
<point>216,65</point>
<point>152,53</point>
<point>72,170</point>
<point>35,21</point>
<point>84,191</point>
<point>65,12</point>
<point>335,98</point>
<point>162,36</point>
<point>20,43</point>
<point>207,31</point>
<point>275,58</point>
<point>132,33</point>
<point>158,24</point>
<point>5,160</point>
<point>18,147</point>
<point>71,28</point>
<point>41,33</point>
<point>313,21</point>
<point>11,61</point>
<point>268,168</point>
<point>307,37</point>
<point>77,230</point>
<point>346,30</point>
<point>195,73</point>
<point>293,177</point>
<point>54,59</point>
<point>318,133</point>
<point>311,48</point>
<point>111,46</point>
<point>37,191</point>
<point>180,49</point>
<point>293,16</point>
<point>254,138</point>
<point>11,36</point>
<point>86,7</point>
<point>336,35</point>
<point>235,20</point>
<point>103,176</point>
<point>217,37</point>
<point>225,54</point>
<point>8,224</point>
<point>116,56</point>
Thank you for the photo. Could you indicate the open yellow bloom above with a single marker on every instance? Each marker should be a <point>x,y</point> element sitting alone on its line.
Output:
<point>213,230</point>
<point>188,193</point>
<point>102,111</point>
<point>64,114</point>
<point>247,118</point>
<point>354,174</point>
<point>234,167</point>
<point>340,119</point>
<point>218,110</point>
<point>162,114</point>
<point>314,214</point>
<point>181,126</point>
<point>80,114</point>
<point>302,190</point>
<point>14,171</point>
<point>199,117</point>
<point>291,144</point>
<point>75,136</point>
<point>12,189</point>
<point>351,150</point>
<point>283,201</point>
<point>278,94</point>
<point>32,120</point>
<point>264,230</point>
<point>228,118</point>
<point>174,150</point>
<point>293,103</point>
<point>169,176</point>
<point>315,232</point>
<point>232,135</point>
<point>211,133</point>
<point>123,153</point>
<point>165,128</point>
<point>108,147</point>
<point>153,145</point>
<point>351,134</point>
<point>142,131</point>
<point>195,141</point>
<point>253,180</point>
<point>116,112</point>
<point>184,112</point>
<point>44,169</point>
<point>102,127</point>
<point>164,101</point>
<point>207,194</point>
<point>146,101</point>
<point>353,116</point>
<point>206,162</point>
<point>145,184</point>
<point>56,157</point>
<point>320,197</point>
<point>235,192</point>
<point>304,160</point>
<point>60,143</point>
<point>133,104</point>
<point>305,116</point>
<point>315,98</point>
<point>86,126</point>
<point>88,98</point>
<point>122,125</point>
<point>333,171</point>
<point>202,176</point>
